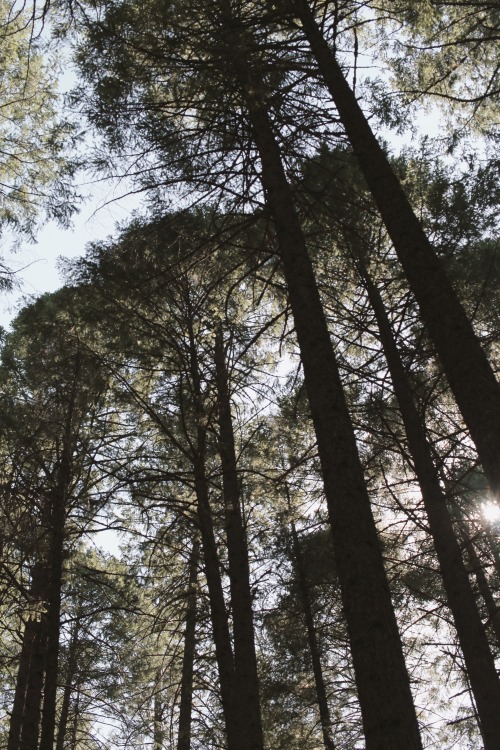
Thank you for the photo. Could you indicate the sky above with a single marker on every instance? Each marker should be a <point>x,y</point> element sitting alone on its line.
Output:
<point>36,263</point>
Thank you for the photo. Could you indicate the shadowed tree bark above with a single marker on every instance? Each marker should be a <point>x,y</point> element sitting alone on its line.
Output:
<point>479,661</point>
<point>245,661</point>
<point>467,369</point>
<point>58,512</point>
<point>71,671</point>
<point>25,717</point>
<point>388,713</point>
<point>186,702</point>
<point>237,737</point>
<point>322,699</point>
<point>492,607</point>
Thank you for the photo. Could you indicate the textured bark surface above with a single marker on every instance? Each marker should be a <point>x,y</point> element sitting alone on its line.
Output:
<point>479,661</point>
<point>467,369</point>
<point>238,566</point>
<point>319,682</point>
<point>48,726</point>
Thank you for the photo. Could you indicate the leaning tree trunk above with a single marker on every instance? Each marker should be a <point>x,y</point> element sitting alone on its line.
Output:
<point>245,660</point>
<point>25,717</point>
<point>321,696</point>
<point>76,718</point>
<point>479,661</point>
<point>382,680</point>
<point>186,701</point>
<point>467,369</point>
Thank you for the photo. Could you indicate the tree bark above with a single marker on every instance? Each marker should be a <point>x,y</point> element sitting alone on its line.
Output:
<point>58,522</point>
<point>245,659</point>
<point>232,710</point>
<point>222,640</point>
<point>48,727</point>
<point>186,702</point>
<point>68,687</point>
<point>158,730</point>
<point>466,366</point>
<point>74,729</point>
<point>25,717</point>
<point>324,710</point>
<point>382,680</point>
<point>479,661</point>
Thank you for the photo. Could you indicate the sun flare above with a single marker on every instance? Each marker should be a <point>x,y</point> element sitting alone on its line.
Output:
<point>491,512</point>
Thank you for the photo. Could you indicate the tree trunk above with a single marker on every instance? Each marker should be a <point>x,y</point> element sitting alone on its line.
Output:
<point>158,730</point>
<point>69,686</point>
<point>239,569</point>
<point>479,662</point>
<point>74,729</point>
<point>222,640</point>
<point>232,710</point>
<point>58,519</point>
<point>52,653</point>
<point>324,710</point>
<point>382,680</point>
<point>25,716</point>
<point>58,510</point>
<point>469,374</point>
<point>186,702</point>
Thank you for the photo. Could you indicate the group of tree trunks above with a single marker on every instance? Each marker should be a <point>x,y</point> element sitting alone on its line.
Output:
<point>388,713</point>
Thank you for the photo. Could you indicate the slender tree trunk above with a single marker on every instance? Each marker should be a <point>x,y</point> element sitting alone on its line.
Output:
<point>69,686</point>
<point>58,518</point>
<point>52,653</point>
<point>233,715</point>
<point>186,702</point>
<point>76,717</point>
<point>382,680</point>
<point>324,710</point>
<point>239,569</point>
<point>478,658</point>
<point>468,371</point>
<point>220,627</point>
<point>58,512</point>
<point>158,728</point>
<point>25,718</point>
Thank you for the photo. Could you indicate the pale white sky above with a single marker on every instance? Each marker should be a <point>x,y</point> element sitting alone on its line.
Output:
<point>36,263</point>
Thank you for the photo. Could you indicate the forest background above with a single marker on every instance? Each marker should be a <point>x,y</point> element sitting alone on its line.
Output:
<point>274,380</point>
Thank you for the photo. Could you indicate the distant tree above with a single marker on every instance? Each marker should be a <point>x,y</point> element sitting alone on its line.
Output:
<point>56,424</point>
